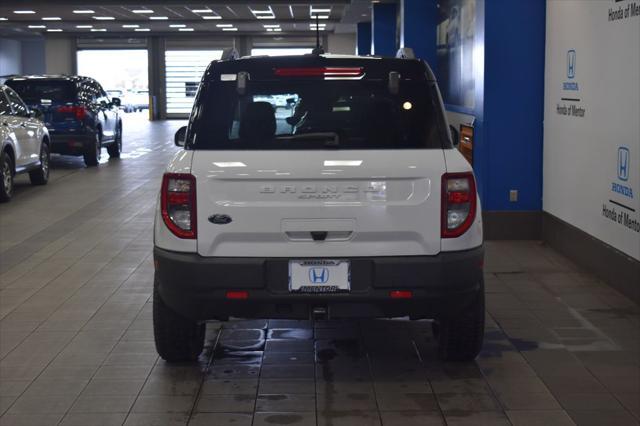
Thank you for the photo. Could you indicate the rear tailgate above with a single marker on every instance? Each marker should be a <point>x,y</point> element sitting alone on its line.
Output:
<point>369,203</point>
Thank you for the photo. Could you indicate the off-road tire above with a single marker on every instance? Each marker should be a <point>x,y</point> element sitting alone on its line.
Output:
<point>40,176</point>
<point>460,337</point>
<point>178,339</point>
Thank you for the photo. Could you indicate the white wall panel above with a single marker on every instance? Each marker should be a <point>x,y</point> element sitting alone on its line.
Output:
<point>592,119</point>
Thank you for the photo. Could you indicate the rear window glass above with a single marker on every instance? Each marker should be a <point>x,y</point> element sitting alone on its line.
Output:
<point>44,91</point>
<point>317,114</point>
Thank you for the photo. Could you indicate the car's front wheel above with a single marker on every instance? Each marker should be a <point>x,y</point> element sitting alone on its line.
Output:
<point>115,148</point>
<point>460,337</point>
<point>6,177</point>
<point>40,176</point>
<point>177,338</point>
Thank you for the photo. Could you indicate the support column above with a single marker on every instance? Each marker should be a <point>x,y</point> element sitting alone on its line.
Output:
<point>157,95</point>
<point>418,19</point>
<point>384,29</point>
<point>363,34</point>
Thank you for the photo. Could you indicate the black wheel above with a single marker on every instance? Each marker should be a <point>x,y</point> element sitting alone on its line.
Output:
<point>93,151</point>
<point>41,175</point>
<point>115,148</point>
<point>460,337</point>
<point>6,177</point>
<point>177,338</point>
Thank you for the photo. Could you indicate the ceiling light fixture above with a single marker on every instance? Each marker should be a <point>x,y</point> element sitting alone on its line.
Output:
<point>98,30</point>
<point>264,14</point>
<point>130,26</point>
<point>37,26</point>
<point>54,30</point>
<point>185,29</point>
<point>142,29</point>
<point>81,11</point>
<point>229,29</point>
<point>319,12</point>
<point>84,26</point>
<point>177,25</point>
<point>52,18</point>
<point>224,25</point>
<point>142,11</point>
<point>24,12</point>
<point>212,17</point>
<point>2,18</point>
<point>158,18</point>
<point>104,18</point>
<point>202,10</point>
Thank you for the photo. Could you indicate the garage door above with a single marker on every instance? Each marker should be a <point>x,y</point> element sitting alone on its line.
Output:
<point>184,69</point>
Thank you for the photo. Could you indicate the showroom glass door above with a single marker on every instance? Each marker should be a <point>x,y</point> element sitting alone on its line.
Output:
<point>183,72</point>
<point>122,73</point>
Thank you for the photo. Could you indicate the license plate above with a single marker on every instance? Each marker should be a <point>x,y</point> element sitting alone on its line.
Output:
<point>319,276</point>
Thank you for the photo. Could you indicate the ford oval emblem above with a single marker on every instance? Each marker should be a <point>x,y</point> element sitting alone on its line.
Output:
<point>220,219</point>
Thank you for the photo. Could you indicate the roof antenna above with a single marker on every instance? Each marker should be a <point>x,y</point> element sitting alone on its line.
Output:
<point>318,50</point>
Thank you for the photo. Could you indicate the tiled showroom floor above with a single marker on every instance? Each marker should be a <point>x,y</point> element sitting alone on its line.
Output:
<point>76,343</point>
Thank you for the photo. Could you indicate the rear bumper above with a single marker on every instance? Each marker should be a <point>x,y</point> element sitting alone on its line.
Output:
<point>70,143</point>
<point>196,287</point>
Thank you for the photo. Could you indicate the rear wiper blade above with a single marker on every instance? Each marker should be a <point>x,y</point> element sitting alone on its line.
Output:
<point>329,138</point>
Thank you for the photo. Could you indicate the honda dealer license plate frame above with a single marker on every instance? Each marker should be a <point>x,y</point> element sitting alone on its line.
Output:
<point>319,276</point>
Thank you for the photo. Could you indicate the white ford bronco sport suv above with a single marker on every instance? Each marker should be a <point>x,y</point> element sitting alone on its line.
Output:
<point>318,186</point>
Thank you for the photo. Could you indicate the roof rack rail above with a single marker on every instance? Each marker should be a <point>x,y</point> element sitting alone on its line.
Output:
<point>405,53</point>
<point>230,53</point>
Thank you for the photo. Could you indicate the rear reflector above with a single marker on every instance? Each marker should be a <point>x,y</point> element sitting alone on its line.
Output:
<point>320,72</point>
<point>237,295</point>
<point>401,294</point>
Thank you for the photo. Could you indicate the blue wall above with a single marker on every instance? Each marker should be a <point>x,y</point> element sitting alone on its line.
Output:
<point>363,34</point>
<point>509,103</point>
<point>513,109</point>
<point>384,29</point>
<point>418,28</point>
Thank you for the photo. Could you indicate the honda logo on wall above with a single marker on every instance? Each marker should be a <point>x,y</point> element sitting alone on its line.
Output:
<point>571,63</point>
<point>318,275</point>
<point>623,163</point>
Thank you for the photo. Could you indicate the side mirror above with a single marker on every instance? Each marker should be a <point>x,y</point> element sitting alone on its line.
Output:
<point>35,113</point>
<point>181,136</point>
<point>116,101</point>
<point>455,136</point>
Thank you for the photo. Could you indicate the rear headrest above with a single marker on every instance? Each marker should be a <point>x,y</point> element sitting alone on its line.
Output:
<point>258,122</point>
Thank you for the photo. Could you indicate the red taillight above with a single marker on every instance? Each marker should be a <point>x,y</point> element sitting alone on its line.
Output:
<point>237,295</point>
<point>79,111</point>
<point>178,204</point>
<point>401,294</point>
<point>458,203</point>
<point>320,72</point>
